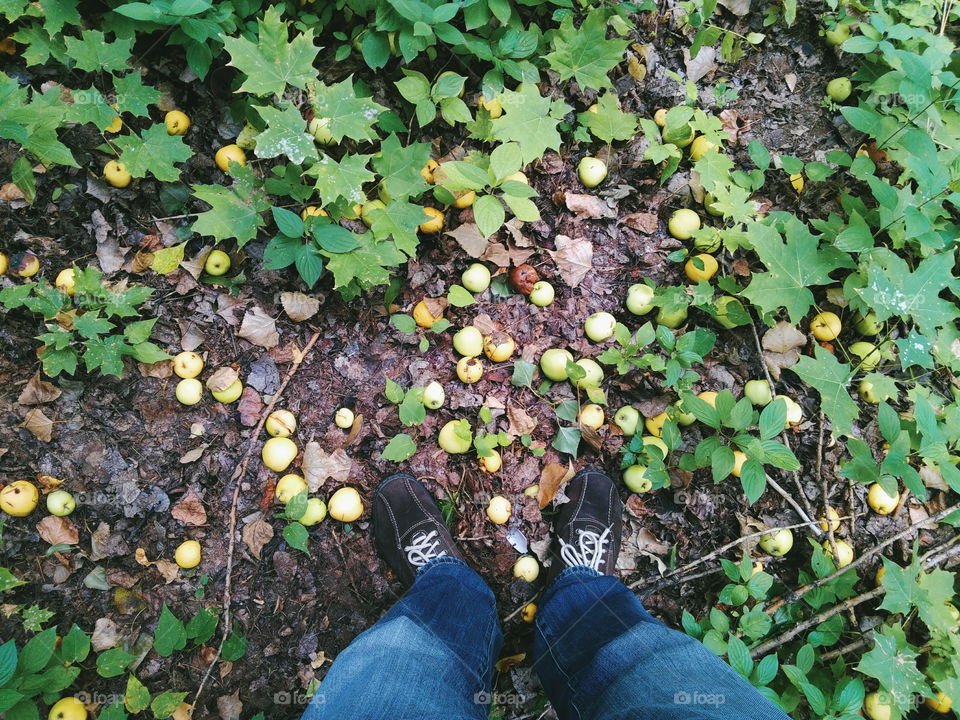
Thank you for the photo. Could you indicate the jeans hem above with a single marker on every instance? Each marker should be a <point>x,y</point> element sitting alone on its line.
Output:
<point>442,560</point>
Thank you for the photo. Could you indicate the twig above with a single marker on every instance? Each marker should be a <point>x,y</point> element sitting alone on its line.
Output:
<point>933,558</point>
<point>353,585</point>
<point>831,538</point>
<point>875,550</point>
<point>238,473</point>
<point>808,520</point>
<point>834,654</point>
<point>719,551</point>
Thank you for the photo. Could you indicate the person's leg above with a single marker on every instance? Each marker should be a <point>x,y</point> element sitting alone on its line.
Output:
<point>600,655</point>
<point>430,657</point>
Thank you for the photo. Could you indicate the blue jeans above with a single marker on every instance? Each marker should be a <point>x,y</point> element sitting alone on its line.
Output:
<point>600,656</point>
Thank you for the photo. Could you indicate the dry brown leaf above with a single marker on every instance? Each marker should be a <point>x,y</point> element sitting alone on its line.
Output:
<point>498,254</point>
<point>485,324</point>
<point>249,407</point>
<point>647,223</point>
<point>782,338</point>
<point>259,328</point>
<point>646,540</point>
<point>169,570</point>
<point>12,195</point>
<point>436,306</point>
<point>229,706</point>
<point>194,455</point>
<point>37,392</point>
<point>105,635</point>
<point>256,534</point>
<point>470,239</point>
<point>58,530</point>
<point>552,477</point>
<point>48,483</point>
<point>191,336</point>
<point>701,65</point>
<point>162,369</point>
<point>574,259</point>
<point>184,711</point>
<point>317,465</point>
<point>109,253</point>
<point>39,424</point>
<point>588,206</point>
<point>520,422</point>
<point>298,306</point>
<point>190,509</point>
<point>194,265</point>
<point>140,555</point>
<point>222,378</point>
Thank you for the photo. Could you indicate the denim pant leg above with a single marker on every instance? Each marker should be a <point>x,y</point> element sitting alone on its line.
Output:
<point>602,656</point>
<point>430,657</point>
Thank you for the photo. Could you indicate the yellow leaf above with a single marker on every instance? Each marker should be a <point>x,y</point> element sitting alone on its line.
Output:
<point>167,260</point>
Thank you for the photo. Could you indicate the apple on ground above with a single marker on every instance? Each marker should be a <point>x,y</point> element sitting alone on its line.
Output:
<point>627,418</point>
<point>640,299</point>
<point>345,505</point>
<point>553,363</point>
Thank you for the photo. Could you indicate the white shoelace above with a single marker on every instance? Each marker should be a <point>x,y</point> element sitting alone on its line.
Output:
<point>588,551</point>
<point>424,549</point>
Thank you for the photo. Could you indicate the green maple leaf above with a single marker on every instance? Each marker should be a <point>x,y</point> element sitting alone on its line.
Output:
<point>89,106</point>
<point>585,53</point>
<point>349,116</point>
<point>366,266</point>
<point>155,152</point>
<point>915,350</point>
<point>527,120</point>
<point>286,134</point>
<point>133,96</point>
<point>39,46</point>
<point>733,201</point>
<point>892,290</point>
<point>794,267</point>
<point>609,123</point>
<point>106,354</point>
<point>343,179</point>
<point>400,167</point>
<point>895,667</point>
<point>233,213</point>
<point>900,584</point>
<point>90,325</point>
<point>714,169</point>
<point>273,62</point>
<point>399,221</point>
<point>830,378</point>
<point>93,52</point>
<point>57,13</point>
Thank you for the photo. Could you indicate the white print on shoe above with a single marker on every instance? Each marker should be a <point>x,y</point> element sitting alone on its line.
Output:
<point>588,551</point>
<point>424,549</point>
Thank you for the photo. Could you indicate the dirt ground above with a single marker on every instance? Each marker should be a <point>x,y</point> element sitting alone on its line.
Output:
<point>119,444</point>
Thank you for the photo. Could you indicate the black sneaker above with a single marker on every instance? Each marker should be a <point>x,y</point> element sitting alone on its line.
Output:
<point>588,527</point>
<point>408,528</point>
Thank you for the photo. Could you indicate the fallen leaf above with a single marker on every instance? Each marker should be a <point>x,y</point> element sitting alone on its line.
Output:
<point>229,706</point>
<point>194,455</point>
<point>259,328</point>
<point>520,422</point>
<point>184,711</point>
<point>700,66</point>
<point>552,477</point>
<point>169,570</point>
<point>39,424</point>
<point>256,534</point>
<point>505,663</point>
<point>646,540</point>
<point>105,635</point>
<point>298,306</point>
<point>49,483</point>
<point>317,465</point>
<point>741,8</point>
<point>162,369</point>
<point>647,223</point>
<point>485,324</point>
<point>194,265</point>
<point>58,530</point>
<point>436,305</point>
<point>469,237</point>
<point>109,253</point>
<point>574,259</point>
<point>190,509</point>
<point>140,555</point>
<point>249,407</point>
<point>103,544</point>
<point>222,379</point>
<point>782,344</point>
<point>12,195</point>
<point>588,206</point>
<point>37,392</point>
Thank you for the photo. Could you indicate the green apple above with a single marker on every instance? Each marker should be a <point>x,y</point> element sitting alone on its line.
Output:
<point>591,415</point>
<point>635,478</point>
<point>657,443</point>
<point>708,243</point>
<point>867,324</point>
<point>320,129</point>
<point>672,319</point>
<point>229,394</point>
<point>640,299</point>
<point>682,417</point>
<point>61,503</point>
<point>189,391</point>
<point>877,706</point>
<point>433,395</point>
<point>526,568</point>
<point>825,326</point>
<point>794,411</point>
<point>868,353</point>
<point>476,278</point>
<point>710,205</point>
<point>777,543</point>
<point>367,208</point>
<point>594,374</point>
<point>592,171</point>
<point>839,89</point>
<point>553,363</point>
<point>758,392</point>
<point>315,512</point>
<point>683,223</point>
<point>542,293</point>
<point>217,263</point>
<point>844,552</point>
<point>288,487</point>
<point>724,305</point>
<point>455,437</point>
<point>839,34</point>
<point>468,341</point>
<point>627,418</point>
<point>866,393</point>
<point>599,326</point>
<point>187,364</point>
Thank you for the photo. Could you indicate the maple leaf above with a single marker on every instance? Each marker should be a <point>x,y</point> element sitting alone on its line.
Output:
<point>93,52</point>
<point>343,179</point>
<point>349,116</point>
<point>794,267</point>
<point>286,134</point>
<point>156,152</point>
<point>400,167</point>
<point>57,13</point>
<point>233,213</point>
<point>892,290</point>
<point>399,220</point>
<point>274,61</point>
<point>895,667</point>
<point>89,106</point>
<point>584,53</point>
<point>609,122</point>
<point>830,378</point>
<point>133,96</point>
<point>530,120</point>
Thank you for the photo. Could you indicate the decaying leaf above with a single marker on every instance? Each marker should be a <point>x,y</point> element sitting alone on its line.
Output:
<point>298,306</point>
<point>249,407</point>
<point>190,509</point>
<point>647,223</point>
<point>160,370</point>
<point>782,344</point>
<point>38,424</point>
<point>37,392</point>
<point>505,663</point>
<point>105,635</point>
<point>470,239</point>
<point>520,422</point>
<point>552,477</point>
<point>194,455</point>
<point>169,570</point>
<point>194,265</point>
<point>588,206</point>
<point>58,530</point>
<point>259,328</point>
<point>229,706</point>
<point>317,465</point>
<point>256,534</point>
<point>574,259</point>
